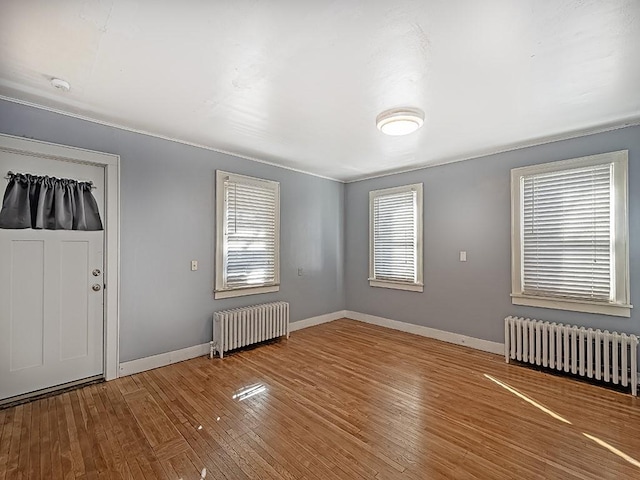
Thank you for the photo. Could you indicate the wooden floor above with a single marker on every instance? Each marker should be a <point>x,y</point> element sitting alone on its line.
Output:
<point>343,400</point>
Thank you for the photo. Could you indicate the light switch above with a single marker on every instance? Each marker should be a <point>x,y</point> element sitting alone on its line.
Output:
<point>463,256</point>
<point>300,272</point>
<point>194,265</point>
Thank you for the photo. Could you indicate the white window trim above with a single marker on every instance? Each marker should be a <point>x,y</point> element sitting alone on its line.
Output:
<point>418,286</point>
<point>220,292</point>
<point>621,307</point>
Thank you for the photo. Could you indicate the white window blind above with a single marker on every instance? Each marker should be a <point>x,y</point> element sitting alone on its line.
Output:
<point>250,233</point>
<point>567,226</point>
<point>396,236</point>
<point>570,235</point>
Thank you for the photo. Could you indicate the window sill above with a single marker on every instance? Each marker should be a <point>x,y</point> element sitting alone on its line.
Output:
<point>411,287</point>
<point>241,292</point>
<point>616,310</point>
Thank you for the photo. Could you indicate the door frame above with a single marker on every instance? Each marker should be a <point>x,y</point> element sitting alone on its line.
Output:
<point>111,220</point>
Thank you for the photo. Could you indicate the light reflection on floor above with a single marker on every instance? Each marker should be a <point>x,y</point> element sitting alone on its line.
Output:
<point>597,440</point>
<point>613,449</point>
<point>527,399</point>
<point>249,392</point>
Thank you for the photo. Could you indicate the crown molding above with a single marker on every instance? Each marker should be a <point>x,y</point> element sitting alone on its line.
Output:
<point>469,156</point>
<point>510,148</point>
<point>163,137</point>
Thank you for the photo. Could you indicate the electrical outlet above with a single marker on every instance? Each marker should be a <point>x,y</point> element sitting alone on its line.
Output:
<point>194,265</point>
<point>463,256</point>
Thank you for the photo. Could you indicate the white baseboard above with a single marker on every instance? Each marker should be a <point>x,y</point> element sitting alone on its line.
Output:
<point>163,359</point>
<point>458,339</point>
<point>310,322</point>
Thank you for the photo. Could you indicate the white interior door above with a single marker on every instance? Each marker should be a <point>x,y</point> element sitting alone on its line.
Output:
<point>51,318</point>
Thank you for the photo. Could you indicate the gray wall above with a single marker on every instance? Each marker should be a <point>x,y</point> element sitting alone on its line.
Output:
<point>167,219</point>
<point>467,207</point>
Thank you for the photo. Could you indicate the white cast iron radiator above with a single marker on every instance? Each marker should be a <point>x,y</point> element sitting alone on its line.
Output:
<point>611,357</point>
<point>248,325</point>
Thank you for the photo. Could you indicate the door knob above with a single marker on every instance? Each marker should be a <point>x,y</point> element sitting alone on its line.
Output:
<point>96,272</point>
<point>96,287</point>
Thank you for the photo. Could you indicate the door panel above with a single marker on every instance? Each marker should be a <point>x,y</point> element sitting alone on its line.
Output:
<point>51,320</point>
<point>74,304</point>
<point>26,304</point>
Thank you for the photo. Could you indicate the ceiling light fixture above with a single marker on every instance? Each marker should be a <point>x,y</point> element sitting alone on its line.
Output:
<point>60,84</point>
<point>400,121</point>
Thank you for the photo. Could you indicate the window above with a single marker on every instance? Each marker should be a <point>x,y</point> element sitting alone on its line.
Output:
<point>395,238</point>
<point>570,235</point>
<point>248,235</point>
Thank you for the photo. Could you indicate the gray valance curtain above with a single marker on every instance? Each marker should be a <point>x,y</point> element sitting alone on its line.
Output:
<point>49,203</point>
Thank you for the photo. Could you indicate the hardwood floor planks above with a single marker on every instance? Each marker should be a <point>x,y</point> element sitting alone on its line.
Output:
<point>46,467</point>
<point>34,443</point>
<point>343,400</point>
<point>65,454</point>
<point>5,440</point>
<point>25,440</point>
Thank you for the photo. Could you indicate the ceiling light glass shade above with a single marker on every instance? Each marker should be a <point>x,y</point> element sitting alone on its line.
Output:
<point>400,121</point>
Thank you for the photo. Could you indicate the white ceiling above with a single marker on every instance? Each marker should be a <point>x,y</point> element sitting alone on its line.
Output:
<point>300,83</point>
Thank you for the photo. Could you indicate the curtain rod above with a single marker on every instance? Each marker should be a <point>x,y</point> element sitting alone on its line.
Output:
<point>10,173</point>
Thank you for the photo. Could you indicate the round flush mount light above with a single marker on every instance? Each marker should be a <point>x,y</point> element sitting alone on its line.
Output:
<point>400,121</point>
<point>60,84</point>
